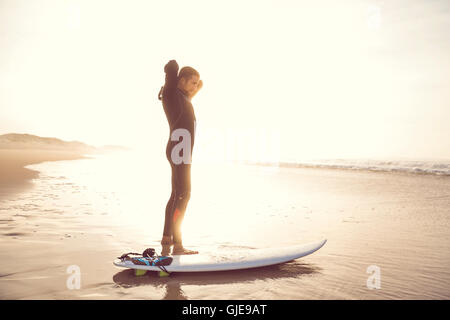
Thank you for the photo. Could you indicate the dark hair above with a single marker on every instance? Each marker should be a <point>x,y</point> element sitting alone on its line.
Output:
<point>187,73</point>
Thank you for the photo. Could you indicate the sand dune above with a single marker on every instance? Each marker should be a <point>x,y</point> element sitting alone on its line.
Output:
<point>20,150</point>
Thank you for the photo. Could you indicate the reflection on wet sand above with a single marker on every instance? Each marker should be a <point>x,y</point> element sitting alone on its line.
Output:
<point>15,178</point>
<point>173,284</point>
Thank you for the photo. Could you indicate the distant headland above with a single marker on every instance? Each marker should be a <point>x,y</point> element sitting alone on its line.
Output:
<point>29,141</point>
<point>20,150</point>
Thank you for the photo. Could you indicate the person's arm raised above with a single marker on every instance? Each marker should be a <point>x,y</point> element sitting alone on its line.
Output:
<point>171,70</point>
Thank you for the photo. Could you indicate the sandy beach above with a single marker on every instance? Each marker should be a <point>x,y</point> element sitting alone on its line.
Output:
<point>84,213</point>
<point>14,177</point>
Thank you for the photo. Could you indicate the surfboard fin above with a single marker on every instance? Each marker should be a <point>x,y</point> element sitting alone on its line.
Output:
<point>139,273</point>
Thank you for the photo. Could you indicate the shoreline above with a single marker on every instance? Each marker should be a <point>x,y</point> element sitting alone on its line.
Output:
<point>14,177</point>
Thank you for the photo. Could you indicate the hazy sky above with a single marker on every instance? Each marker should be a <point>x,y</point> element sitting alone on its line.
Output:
<point>327,79</point>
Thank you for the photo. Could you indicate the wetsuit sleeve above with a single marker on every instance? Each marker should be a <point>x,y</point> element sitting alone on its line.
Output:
<point>171,70</point>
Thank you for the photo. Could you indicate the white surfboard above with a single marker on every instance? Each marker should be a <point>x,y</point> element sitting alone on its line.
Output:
<point>228,260</point>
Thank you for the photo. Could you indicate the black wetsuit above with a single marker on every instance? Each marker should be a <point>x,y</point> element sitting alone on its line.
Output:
<point>181,117</point>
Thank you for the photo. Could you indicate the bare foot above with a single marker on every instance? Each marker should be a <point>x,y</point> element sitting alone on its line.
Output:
<point>165,250</point>
<point>182,250</point>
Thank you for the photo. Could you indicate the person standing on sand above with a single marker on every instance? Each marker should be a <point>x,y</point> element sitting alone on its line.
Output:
<point>176,95</point>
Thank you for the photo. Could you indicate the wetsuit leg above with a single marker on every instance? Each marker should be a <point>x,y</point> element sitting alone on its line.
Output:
<point>182,196</point>
<point>170,208</point>
<point>176,206</point>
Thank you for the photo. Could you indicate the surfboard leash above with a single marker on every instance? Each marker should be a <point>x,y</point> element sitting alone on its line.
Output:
<point>149,253</point>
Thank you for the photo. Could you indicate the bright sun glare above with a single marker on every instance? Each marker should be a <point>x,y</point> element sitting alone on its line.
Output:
<point>334,80</point>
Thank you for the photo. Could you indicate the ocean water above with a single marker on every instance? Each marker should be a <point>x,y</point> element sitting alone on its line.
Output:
<point>436,167</point>
<point>388,230</point>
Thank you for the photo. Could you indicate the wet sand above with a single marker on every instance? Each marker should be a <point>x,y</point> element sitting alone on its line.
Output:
<point>399,223</point>
<point>14,177</point>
